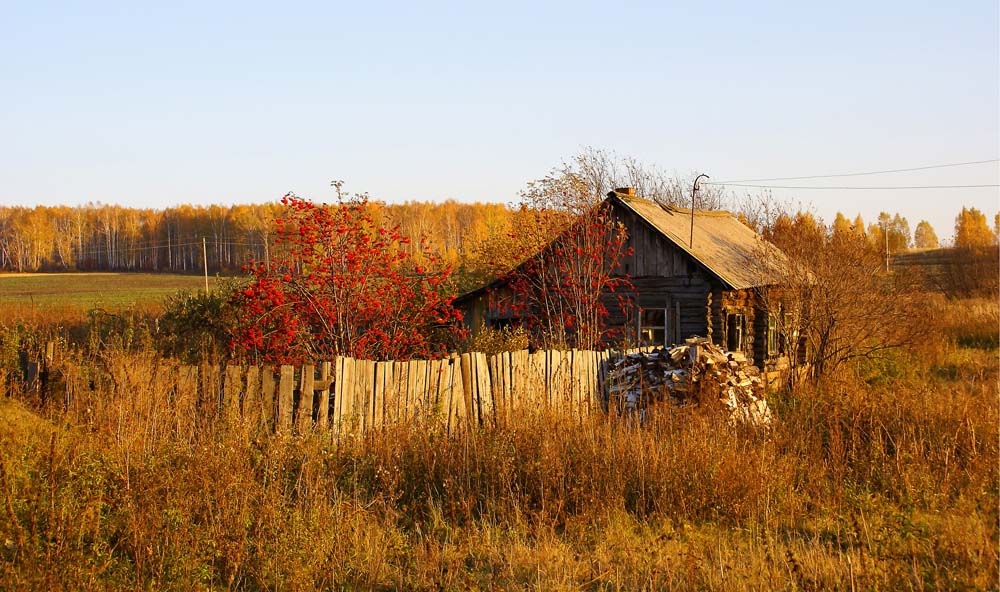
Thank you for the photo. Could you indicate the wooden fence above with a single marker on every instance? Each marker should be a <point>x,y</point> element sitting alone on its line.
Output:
<point>351,396</point>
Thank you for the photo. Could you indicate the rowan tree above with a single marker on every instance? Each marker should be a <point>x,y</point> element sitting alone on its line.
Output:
<point>343,285</point>
<point>571,247</point>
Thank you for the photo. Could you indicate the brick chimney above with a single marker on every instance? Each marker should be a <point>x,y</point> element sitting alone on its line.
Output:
<point>629,191</point>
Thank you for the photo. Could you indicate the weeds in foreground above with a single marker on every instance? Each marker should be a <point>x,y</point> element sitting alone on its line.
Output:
<point>885,484</point>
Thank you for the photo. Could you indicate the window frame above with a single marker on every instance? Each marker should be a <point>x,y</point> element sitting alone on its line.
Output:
<point>740,326</point>
<point>642,326</point>
<point>773,335</point>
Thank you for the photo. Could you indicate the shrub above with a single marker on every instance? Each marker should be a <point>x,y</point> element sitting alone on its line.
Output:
<point>197,326</point>
<point>344,285</point>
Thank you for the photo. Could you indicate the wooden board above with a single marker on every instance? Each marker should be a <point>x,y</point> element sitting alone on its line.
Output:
<point>286,393</point>
<point>433,383</point>
<point>396,398</point>
<point>209,395</point>
<point>232,391</point>
<point>485,408</point>
<point>268,389</point>
<point>323,395</point>
<point>383,375</point>
<point>468,394</point>
<point>304,413</point>
<point>338,393</point>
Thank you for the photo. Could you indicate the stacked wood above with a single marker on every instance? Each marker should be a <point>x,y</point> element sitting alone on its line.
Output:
<point>696,371</point>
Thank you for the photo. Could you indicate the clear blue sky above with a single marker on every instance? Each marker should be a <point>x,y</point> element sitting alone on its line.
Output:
<point>153,104</point>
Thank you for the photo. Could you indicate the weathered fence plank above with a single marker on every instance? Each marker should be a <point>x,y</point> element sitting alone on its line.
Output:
<point>346,393</point>
<point>468,395</point>
<point>382,369</point>
<point>396,396</point>
<point>323,415</point>
<point>304,413</point>
<point>268,389</point>
<point>458,399</point>
<point>286,394</point>
<point>485,409</point>
<point>232,390</point>
<point>471,389</point>
<point>250,408</point>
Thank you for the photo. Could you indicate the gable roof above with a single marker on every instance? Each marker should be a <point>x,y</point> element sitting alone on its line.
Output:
<point>726,247</point>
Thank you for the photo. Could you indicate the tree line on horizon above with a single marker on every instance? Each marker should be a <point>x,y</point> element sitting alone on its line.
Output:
<point>469,237</point>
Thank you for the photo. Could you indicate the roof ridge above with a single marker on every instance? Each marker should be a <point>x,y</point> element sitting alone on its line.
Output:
<point>673,209</point>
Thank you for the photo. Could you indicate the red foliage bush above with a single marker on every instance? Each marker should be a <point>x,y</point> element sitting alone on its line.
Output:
<point>343,286</point>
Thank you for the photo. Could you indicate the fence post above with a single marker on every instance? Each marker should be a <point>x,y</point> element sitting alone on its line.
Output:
<point>324,395</point>
<point>251,398</point>
<point>306,393</point>
<point>468,394</point>
<point>231,390</point>
<point>268,387</point>
<point>379,392</point>
<point>286,394</point>
<point>484,407</point>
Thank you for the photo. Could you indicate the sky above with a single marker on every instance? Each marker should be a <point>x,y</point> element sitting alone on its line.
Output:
<point>157,104</point>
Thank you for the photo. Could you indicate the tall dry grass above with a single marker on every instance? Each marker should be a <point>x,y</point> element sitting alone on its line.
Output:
<point>881,479</point>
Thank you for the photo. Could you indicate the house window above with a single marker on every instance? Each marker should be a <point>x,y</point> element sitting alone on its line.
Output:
<point>652,326</point>
<point>773,341</point>
<point>734,332</point>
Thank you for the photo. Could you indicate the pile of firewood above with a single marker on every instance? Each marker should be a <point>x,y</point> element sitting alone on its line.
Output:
<point>690,374</point>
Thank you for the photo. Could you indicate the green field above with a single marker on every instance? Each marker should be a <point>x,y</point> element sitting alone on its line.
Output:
<point>83,291</point>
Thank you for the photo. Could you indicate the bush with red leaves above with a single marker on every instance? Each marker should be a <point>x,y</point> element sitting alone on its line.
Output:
<point>344,285</point>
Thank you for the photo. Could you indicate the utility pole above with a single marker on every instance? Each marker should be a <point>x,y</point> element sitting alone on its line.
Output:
<point>885,233</point>
<point>204,258</point>
<point>694,189</point>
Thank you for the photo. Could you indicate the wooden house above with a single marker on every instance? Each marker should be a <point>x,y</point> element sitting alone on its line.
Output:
<point>706,285</point>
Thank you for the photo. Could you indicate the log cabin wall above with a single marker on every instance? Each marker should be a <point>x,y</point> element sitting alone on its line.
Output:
<point>664,277</point>
<point>738,307</point>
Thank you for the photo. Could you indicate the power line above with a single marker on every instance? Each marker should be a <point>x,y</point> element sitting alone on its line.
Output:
<point>855,187</point>
<point>920,168</point>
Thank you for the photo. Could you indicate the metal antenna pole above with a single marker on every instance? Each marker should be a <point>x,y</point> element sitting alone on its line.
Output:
<point>694,189</point>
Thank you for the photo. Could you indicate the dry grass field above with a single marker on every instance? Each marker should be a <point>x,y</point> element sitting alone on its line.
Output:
<point>882,478</point>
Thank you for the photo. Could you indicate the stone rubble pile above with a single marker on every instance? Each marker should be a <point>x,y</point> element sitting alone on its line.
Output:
<point>689,374</point>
